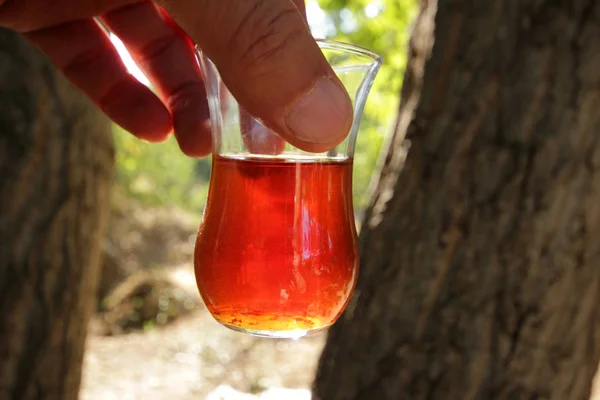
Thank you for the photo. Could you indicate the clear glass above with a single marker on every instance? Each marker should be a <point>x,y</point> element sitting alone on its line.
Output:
<point>276,253</point>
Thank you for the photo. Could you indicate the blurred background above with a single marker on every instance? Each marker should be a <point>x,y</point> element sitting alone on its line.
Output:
<point>151,336</point>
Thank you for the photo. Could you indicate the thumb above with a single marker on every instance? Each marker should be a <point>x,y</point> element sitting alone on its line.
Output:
<point>272,65</point>
<point>301,7</point>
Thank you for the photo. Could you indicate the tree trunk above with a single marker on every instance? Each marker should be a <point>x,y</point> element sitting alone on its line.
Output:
<point>480,264</point>
<point>56,159</point>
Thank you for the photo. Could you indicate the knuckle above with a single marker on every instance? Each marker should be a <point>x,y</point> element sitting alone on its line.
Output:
<point>83,62</point>
<point>263,35</point>
<point>159,47</point>
<point>186,94</point>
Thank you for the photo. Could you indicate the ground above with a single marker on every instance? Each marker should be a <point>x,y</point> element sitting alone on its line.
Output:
<point>192,357</point>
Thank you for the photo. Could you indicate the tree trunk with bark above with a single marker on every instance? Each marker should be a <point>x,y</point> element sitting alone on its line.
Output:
<point>56,159</point>
<point>480,266</point>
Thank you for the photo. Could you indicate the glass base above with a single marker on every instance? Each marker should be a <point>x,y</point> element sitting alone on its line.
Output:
<point>291,334</point>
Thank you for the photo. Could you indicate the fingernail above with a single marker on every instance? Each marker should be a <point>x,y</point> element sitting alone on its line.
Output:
<point>321,115</point>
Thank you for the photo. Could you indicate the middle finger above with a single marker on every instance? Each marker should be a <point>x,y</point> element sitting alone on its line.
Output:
<point>167,58</point>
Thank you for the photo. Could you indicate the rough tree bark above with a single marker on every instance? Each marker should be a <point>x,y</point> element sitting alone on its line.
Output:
<point>56,159</point>
<point>480,253</point>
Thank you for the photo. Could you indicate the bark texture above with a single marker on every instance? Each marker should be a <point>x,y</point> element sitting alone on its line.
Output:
<point>480,258</point>
<point>56,158</point>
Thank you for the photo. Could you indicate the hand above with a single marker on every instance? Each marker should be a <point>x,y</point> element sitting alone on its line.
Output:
<point>263,49</point>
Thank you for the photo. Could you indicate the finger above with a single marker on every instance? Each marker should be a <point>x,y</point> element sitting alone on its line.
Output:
<point>167,58</point>
<point>83,52</point>
<point>257,138</point>
<point>272,66</point>
<point>301,7</point>
<point>31,15</point>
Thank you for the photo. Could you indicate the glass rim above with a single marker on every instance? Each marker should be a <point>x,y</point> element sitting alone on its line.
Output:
<point>335,45</point>
<point>351,48</point>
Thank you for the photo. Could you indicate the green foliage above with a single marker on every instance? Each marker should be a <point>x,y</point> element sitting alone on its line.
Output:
<point>387,34</point>
<point>159,174</point>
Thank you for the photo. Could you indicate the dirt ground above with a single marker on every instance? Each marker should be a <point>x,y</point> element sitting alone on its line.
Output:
<point>191,358</point>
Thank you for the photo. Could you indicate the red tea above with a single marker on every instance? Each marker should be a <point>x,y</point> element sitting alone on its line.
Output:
<point>277,249</point>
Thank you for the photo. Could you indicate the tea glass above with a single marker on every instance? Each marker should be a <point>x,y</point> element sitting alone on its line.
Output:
<point>276,253</point>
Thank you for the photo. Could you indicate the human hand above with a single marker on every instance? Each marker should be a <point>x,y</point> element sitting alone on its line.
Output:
<point>263,49</point>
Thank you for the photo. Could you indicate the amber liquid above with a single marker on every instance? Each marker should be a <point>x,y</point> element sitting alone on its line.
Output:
<point>276,254</point>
